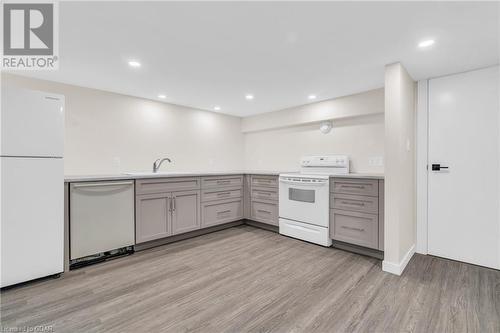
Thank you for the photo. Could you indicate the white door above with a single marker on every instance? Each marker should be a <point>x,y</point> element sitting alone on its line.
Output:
<point>32,123</point>
<point>32,218</point>
<point>463,220</point>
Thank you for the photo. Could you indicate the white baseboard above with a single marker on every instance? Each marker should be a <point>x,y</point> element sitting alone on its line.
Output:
<point>398,268</point>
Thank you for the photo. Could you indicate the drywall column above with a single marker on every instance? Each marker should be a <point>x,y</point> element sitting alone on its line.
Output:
<point>400,221</point>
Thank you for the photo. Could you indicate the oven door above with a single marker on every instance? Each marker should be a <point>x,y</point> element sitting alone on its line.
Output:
<point>304,200</point>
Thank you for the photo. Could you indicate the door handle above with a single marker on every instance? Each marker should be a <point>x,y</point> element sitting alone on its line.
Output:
<point>438,167</point>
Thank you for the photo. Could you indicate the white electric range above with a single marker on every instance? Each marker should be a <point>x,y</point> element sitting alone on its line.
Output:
<point>304,198</point>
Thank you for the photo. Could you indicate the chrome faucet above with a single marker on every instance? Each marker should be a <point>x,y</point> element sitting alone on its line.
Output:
<point>158,162</point>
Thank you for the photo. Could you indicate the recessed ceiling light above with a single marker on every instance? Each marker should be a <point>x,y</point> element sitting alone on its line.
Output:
<point>133,63</point>
<point>216,108</point>
<point>311,97</point>
<point>162,96</point>
<point>249,96</point>
<point>426,43</point>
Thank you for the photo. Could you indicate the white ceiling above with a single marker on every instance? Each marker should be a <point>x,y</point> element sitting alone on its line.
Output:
<point>205,54</point>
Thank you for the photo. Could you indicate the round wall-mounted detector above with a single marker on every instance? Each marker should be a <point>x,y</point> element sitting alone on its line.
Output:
<point>326,126</point>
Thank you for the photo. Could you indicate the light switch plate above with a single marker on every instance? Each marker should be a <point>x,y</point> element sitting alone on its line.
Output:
<point>376,161</point>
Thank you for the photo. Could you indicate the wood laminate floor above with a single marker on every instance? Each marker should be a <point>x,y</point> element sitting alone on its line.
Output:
<point>246,279</point>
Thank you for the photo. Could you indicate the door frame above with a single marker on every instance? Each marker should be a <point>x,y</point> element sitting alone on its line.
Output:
<point>422,150</point>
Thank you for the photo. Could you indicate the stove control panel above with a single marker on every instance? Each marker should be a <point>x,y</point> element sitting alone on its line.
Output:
<point>325,161</point>
<point>325,164</point>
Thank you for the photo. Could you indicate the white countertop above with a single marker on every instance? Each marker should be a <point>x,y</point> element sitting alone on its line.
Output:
<point>123,176</point>
<point>362,175</point>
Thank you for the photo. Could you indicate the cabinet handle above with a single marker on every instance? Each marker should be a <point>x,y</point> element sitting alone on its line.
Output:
<point>263,211</point>
<point>173,204</point>
<point>169,200</point>
<point>221,194</point>
<point>224,212</point>
<point>352,228</point>
<point>223,181</point>
<point>353,203</point>
<point>264,193</point>
<point>354,186</point>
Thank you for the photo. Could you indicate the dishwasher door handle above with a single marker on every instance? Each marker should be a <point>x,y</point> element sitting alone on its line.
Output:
<point>102,184</point>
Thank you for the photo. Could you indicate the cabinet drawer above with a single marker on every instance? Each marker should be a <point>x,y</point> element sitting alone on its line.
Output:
<point>219,212</point>
<point>220,181</point>
<point>354,227</point>
<point>265,193</point>
<point>258,180</point>
<point>355,186</point>
<point>161,185</point>
<point>219,194</point>
<point>264,212</point>
<point>358,203</point>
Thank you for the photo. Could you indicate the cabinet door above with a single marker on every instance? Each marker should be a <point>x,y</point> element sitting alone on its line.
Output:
<point>185,211</point>
<point>152,217</point>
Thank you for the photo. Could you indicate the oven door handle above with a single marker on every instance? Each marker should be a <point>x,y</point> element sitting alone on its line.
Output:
<point>320,183</point>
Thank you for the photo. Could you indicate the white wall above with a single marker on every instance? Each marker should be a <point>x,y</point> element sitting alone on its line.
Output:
<point>400,221</point>
<point>361,138</point>
<point>361,104</point>
<point>358,132</point>
<point>110,133</point>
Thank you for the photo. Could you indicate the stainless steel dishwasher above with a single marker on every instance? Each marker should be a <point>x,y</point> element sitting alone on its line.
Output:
<point>101,220</point>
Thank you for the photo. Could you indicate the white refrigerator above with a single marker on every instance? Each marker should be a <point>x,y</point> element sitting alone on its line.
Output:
<point>32,185</point>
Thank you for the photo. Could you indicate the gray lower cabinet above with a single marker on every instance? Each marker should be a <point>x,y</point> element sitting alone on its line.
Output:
<point>152,217</point>
<point>161,215</point>
<point>263,199</point>
<point>185,211</point>
<point>222,199</point>
<point>356,212</point>
<point>221,211</point>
